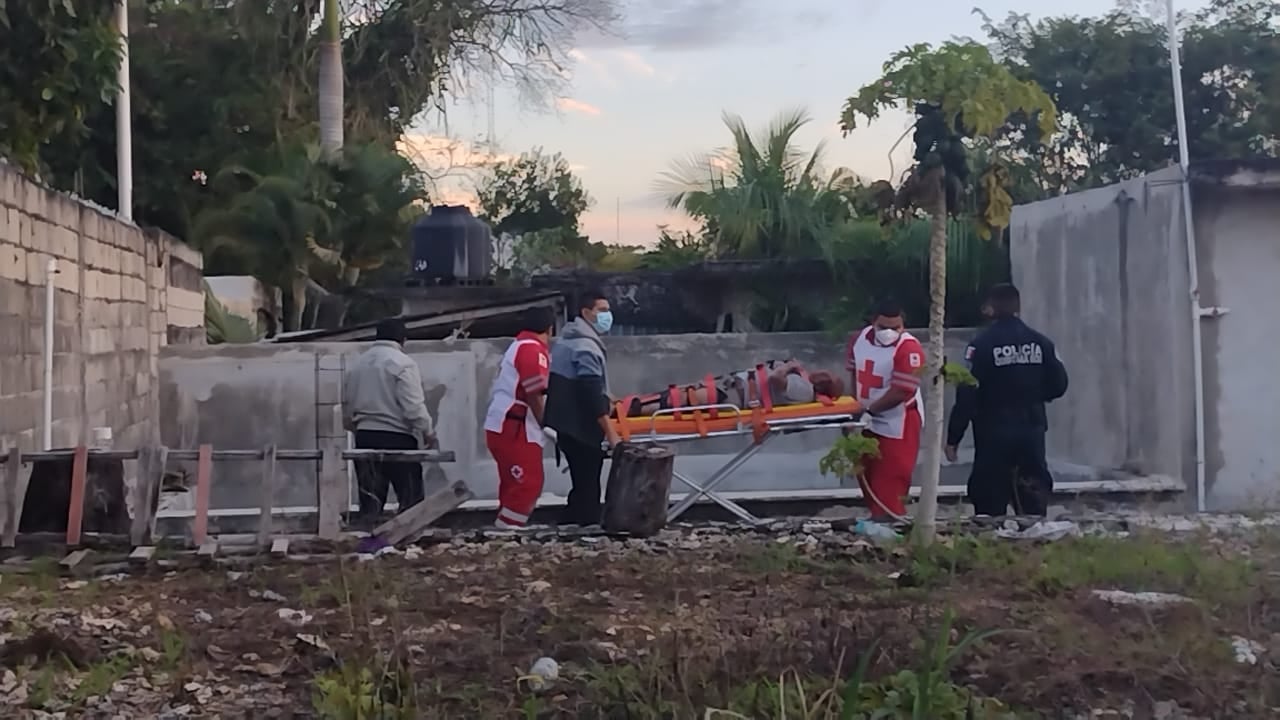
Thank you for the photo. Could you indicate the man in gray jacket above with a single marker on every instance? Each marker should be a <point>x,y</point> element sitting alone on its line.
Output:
<point>578,405</point>
<point>384,405</point>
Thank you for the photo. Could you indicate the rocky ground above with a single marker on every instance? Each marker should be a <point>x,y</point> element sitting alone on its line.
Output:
<point>707,622</point>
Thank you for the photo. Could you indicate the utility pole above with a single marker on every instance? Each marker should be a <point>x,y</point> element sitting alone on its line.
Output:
<point>124,119</point>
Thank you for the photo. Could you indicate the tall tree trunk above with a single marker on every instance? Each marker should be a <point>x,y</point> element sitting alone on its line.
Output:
<point>926,518</point>
<point>331,81</point>
<point>297,303</point>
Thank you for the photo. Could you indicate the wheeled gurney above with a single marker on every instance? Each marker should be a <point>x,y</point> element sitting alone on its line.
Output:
<point>760,423</point>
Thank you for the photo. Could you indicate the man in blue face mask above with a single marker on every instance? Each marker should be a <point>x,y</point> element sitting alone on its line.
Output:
<point>578,404</point>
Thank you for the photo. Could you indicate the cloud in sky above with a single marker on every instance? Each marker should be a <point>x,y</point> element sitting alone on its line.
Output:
<point>603,65</point>
<point>568,104</point>
<point>684,25</point>
<point>635,64</point>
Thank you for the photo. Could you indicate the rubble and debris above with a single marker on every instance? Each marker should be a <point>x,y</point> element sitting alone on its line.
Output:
<point>1124,597</point>
<point>195,643</point>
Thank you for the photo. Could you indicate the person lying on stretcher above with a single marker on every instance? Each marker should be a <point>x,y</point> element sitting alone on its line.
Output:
<point>786,381</point>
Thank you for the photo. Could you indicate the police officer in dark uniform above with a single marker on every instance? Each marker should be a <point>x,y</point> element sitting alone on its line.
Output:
<point>1018,371</point>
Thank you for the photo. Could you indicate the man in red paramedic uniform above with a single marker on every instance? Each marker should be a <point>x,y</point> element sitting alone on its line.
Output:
<point>885,364</point>
<point>513,424</point>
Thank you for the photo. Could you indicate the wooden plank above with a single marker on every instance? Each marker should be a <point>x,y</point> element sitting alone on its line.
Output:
<point>162,467</point>
<point>204,472</point>
<point>412,523</point>
<point>151,467</point>
<point>15,492</point>
<point>75,507</point>
<point>280,547</point>
<point>74,561</point>
<point>268,494</point>
<point>333,491</point>
<point>424,456</point>
<point>142,554</point>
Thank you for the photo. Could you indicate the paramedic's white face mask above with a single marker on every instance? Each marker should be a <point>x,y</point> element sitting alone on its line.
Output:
<point>887,336</point>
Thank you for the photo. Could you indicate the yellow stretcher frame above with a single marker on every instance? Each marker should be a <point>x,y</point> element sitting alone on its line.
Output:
<point>672,425</point>
<point>704,420</point>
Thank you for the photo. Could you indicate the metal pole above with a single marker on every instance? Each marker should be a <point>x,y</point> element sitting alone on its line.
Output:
<point>1193,273</point>
<point>51,269</point>
<point>124,120</point>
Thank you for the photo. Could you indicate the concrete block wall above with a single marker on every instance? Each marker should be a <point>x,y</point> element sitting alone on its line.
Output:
<point>121,294</point>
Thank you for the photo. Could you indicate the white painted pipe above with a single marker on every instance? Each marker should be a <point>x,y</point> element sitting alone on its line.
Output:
<point>1193,271</point>
<point>50,270</point>
<point>124,120</point>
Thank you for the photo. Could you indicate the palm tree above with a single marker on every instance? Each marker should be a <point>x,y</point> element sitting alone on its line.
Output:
<point>373,200</point>
<point>268,226</point>
<point>330,95</point>
<point>762,197</point>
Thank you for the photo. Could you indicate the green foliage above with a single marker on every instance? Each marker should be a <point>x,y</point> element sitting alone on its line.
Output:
<point>532,193</point>
<point>675,250</point>
<point>1109,78</point>
<point>973,95</point>
<point>216,83</point>
<point>351,693</point>
<point>956,374</point>
<point>846,457</point>
<point>265,225</point>
<point>957,91</point>
<point>372,196</point>
<point>58,62</point>
<point>555,248</point>
<point>926,692</point>
<point>871,262</point>
<point>306,217</point>
<point>922,692</point>
<point>223,326</point>
<point>534,204</point>
<point>101,676</point>
<point>763,198</point>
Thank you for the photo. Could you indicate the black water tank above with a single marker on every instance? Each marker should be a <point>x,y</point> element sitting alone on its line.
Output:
<point>480,250</point>
<point>441,241</point>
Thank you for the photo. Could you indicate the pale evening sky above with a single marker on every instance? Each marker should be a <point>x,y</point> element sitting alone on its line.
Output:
<point>638,102</point>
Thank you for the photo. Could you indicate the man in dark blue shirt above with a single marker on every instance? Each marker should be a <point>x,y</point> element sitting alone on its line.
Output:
<point>1018,370</point>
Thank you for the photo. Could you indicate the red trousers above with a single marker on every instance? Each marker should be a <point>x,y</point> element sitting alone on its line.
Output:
<point>520,475</point>
<point>886,480</point>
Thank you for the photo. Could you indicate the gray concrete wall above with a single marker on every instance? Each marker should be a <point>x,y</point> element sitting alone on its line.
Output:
<point>1104,274</point>
<point>1239,257</point>
<point>247,396</point>
<point>121,295</point>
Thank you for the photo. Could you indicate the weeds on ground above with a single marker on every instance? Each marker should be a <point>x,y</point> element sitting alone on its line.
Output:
<point>356,693</point>
<point>1141,562</point>
<point>101,676</point>
<point>374,683</point>
<point>173,650</point>
<point>771,558</point>
<point>924,692</point>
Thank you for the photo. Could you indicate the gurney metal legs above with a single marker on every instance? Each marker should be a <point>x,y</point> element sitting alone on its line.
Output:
<point>716,478</point>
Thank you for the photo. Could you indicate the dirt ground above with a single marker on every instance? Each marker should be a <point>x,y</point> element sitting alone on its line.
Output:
<point>699,623</point>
